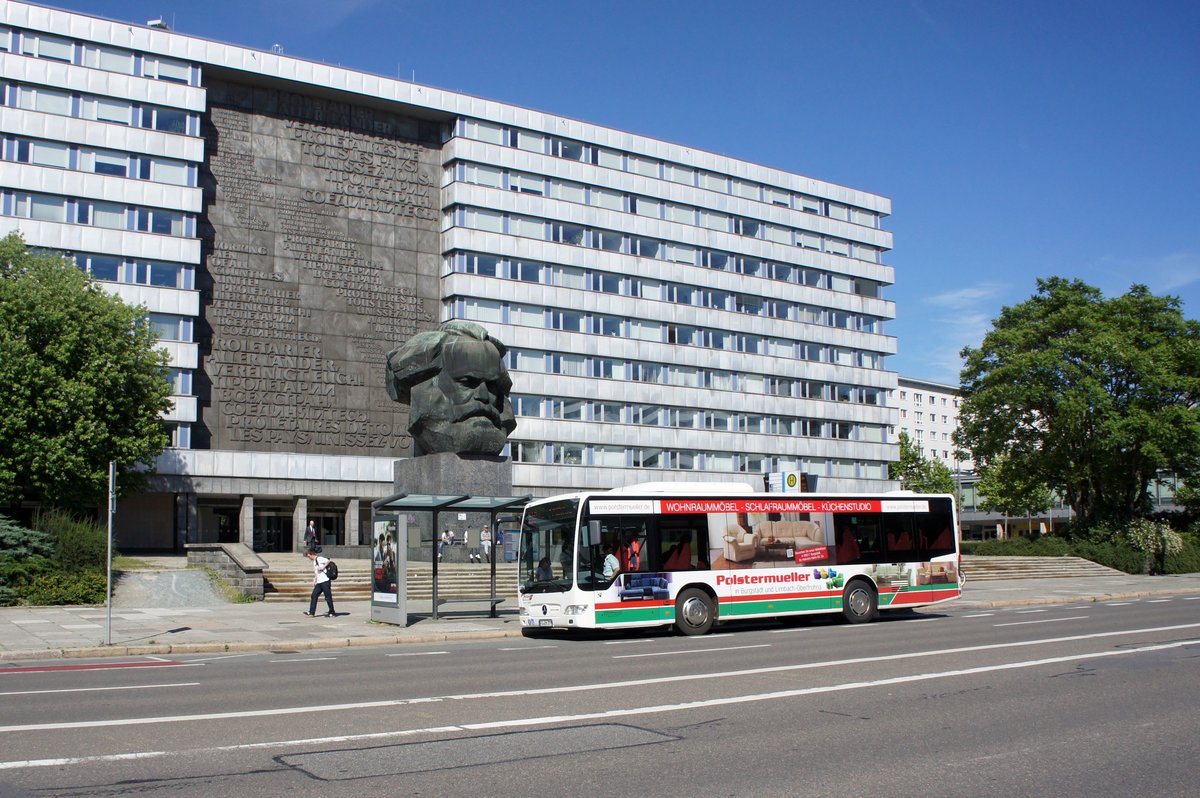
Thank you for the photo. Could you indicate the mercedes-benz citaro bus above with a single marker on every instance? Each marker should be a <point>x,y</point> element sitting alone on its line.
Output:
<point>661,554</point>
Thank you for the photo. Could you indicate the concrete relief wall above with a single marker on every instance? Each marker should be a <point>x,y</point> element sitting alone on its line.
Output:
<point>321,254</point>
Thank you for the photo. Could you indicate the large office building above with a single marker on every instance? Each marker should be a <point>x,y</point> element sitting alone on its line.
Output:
<point>669,313</point>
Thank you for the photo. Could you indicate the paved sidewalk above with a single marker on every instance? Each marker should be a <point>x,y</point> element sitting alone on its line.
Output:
<point>74,632</point>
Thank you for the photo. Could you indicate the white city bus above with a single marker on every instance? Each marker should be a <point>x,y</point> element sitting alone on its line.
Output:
<point>692,555</point>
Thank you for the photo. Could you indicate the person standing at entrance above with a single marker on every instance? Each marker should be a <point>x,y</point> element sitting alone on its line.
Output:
<point>321,584</point>
<point>310,536</point>
<point>485,540</point>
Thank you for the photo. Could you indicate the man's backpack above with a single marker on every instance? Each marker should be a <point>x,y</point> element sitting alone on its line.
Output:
<point>331,570</point>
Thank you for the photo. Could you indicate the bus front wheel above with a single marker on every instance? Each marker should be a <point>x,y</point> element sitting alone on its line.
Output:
<point>695,612</point>
<point>859,602</point>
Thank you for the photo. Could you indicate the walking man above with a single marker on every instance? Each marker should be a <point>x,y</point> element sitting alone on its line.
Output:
<point>321,584</point>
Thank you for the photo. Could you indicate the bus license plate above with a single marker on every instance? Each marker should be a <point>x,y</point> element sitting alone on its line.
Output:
<point>545,622</point>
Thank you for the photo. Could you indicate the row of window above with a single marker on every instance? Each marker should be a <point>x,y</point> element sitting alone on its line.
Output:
<point>657,290</point>
<point>658,209</point>
<point>96,56</point>
<point>116,269</point>
<point>933,400</point>
<point>648,415</point>
<point>919,416</point>
<point>98,161</point>
<point>488,311</point>
<point>595,366</point>
<point>646,288</point>
<point>100,109</point>
<point>112,215</point>
<point>644,247</point>
<point>662,170</point>
<point>172,327</point>
<point>555,453</point>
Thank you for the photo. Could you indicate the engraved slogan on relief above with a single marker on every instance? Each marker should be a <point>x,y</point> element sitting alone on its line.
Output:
<point>321,253</point>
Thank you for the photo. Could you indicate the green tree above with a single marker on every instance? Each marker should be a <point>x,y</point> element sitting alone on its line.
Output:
<point>81,382</point>
<point>1005,488</point>
<point>918,473</point>
<point>1088,396</point>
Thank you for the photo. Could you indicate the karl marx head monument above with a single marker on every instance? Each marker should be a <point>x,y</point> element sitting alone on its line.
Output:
<point>456,386</point>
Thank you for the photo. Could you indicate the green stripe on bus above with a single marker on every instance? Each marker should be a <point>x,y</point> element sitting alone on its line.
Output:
<point>635,615</point>
<point>771,606</point>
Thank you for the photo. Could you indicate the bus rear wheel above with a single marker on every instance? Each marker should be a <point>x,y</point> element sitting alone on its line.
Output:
<point>859,602</point>
<point>695,612</point>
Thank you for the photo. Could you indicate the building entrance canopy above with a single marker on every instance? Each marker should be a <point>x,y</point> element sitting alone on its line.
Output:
<point>393,609</point>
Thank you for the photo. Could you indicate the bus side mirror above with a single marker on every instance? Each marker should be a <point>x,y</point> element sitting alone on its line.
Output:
<point>590,534</point>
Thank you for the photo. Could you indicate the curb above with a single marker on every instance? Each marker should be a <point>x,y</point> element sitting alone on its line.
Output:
<point>117,650</point>
<point>365,641</point>
<point>1047,600</point>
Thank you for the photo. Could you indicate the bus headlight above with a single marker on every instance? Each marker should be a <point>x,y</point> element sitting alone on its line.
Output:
<point>576,609</point>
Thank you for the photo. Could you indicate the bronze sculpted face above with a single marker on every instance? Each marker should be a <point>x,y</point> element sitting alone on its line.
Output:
<point>456,386</point>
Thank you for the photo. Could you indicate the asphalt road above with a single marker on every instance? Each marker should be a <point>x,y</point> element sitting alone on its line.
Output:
<point>1065,700</point>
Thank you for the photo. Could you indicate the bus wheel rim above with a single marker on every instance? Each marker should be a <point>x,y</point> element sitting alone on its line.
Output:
<point>860,602</point>
<point>695,613</point>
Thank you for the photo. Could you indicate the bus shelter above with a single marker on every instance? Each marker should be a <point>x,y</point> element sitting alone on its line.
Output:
<point>389,550</point>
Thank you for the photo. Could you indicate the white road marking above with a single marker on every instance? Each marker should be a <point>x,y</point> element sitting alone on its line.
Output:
<point>223,656</point>
<point>613,714</point>
<point>418,653</point>
<point>1047,620</point>
<point>689,653</point>
<point>979,615</point>
<point>306,659</point>
<point>524,648</point>
<point>101,689</point>
<point>300,710</point>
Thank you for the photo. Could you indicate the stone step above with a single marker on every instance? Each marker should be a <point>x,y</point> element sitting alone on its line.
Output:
<point>988,568</point>
<point>289,581</point>
<point>473,581</point>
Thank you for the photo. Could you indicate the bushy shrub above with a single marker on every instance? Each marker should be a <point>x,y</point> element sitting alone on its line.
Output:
<point>1104,544</point>
<point>1187,560</point>
<point>1044,546</point>
<point>60,561</point>
<point>24,554</point>
<point>1114,554</point>
<point>80,544</point>
<point>57,588</point>
<point>22,543</point>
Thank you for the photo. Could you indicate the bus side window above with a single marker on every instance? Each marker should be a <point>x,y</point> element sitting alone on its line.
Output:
<point>937,537</point>
<point>859,539</point>
<point>898,534</point>
<point>684,543</point>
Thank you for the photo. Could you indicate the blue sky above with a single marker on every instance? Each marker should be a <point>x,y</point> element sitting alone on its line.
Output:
<point>1016,139</point>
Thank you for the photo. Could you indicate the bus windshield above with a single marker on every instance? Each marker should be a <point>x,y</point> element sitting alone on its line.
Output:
<point>547,547</point>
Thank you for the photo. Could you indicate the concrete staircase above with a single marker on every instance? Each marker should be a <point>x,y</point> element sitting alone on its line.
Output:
<point>290,579</point>
<point>988,568</point>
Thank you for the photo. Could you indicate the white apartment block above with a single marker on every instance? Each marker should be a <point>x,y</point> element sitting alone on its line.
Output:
<point>928,413</point>
<point>670,313</point>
